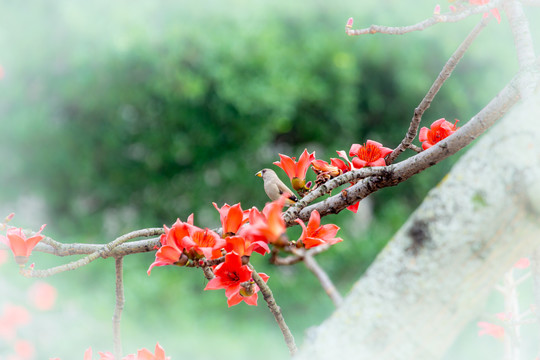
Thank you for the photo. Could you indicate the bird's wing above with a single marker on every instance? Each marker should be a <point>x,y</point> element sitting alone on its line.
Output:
<point>282,188</point>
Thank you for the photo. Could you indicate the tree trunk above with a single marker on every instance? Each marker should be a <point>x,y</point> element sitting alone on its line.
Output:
<point>434,276</point>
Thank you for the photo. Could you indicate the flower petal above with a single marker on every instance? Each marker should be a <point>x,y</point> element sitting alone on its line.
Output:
<point>287,164</point>
<point>423,136</point>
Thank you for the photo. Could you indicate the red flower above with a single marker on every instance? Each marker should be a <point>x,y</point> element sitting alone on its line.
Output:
<point>243,246</point>
<point>344,166</point>
<point>440,129</point>
<point>325,170</point>
<point>490,329</point>
<point>232,217</point>
<point>296,171</point>
<point>267,226</point>
<point>203,243</point>
<point>235,278</point>
<point>103,355</point>
<point>19,244</point>
<point>171,251</point>
<point>315,234</point>
<point>371,153</point>
<point>145,354</point>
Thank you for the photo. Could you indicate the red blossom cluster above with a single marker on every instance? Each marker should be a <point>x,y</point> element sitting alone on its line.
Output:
<point>369,154</point>
<point>244,232</point>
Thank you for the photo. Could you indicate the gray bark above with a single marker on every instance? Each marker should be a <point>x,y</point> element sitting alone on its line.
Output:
<point>434,276</point>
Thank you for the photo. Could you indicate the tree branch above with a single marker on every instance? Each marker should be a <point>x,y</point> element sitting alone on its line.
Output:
<point>323,278</point>
<point>275,310</point>
<point>437,84</point>
<point>523,42</point>
<point>120,301</point>
<point>435,19</point>
<point>396,173</point>
<point>101,251</point>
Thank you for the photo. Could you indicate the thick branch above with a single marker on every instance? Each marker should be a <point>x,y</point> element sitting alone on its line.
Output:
<point>474,226</point>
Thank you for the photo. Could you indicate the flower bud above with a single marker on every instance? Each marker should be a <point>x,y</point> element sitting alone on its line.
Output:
<point>247,288</point>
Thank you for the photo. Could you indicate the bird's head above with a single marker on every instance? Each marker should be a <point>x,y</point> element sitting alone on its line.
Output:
<point>264,172</point>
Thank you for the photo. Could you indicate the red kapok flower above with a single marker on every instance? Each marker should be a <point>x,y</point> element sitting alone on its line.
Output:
<point>19,244</point>
<point>243,246</point>
<point>232,276</point>
<point>171,251</point>
<point>103,355</point>
<point>232,217</point>
<point>315,234</point>
<point>296,171</point>
<point>371,153</point>
<point>205,243</point>
<point>440,129</point>
<point>344,166</point>
<point>322,168</point>
<point>267,226</point>
<point>145,354</point>
<point>490,329</point>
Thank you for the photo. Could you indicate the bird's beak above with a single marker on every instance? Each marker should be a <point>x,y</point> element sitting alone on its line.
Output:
<point>259,174</point>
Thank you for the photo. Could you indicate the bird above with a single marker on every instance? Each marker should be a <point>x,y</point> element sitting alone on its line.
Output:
<point>274,187</point>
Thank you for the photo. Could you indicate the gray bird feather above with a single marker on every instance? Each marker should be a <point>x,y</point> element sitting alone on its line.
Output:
<point>274,187</point>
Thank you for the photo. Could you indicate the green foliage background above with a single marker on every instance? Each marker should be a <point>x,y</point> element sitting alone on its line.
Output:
<point>119,116</point>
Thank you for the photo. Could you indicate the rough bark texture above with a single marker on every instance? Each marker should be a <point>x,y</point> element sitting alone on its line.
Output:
<point>434,275</point>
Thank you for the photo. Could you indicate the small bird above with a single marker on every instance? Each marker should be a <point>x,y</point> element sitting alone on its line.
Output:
<point>274,187</point>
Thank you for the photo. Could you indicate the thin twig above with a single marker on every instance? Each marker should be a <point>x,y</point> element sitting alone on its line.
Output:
<point>275,310</point>
<point>437,84</point>
<point>296,258</point>
<point>120,301</point>
<point>435,19</point>
<point>323,278</point>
